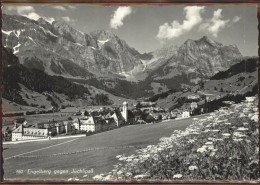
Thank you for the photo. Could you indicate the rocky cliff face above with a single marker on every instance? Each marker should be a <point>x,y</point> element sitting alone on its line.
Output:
<point>59,49</point>
<point>198,59</point>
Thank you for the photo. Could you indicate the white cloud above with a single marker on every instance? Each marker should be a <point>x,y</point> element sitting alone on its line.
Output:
<point>26,11</point>
<point>236,19</point>
<point>175,29</point>
<point>23,10</point>
<point>62,8</point>
<point>68,20</point>
<point>33,16</point>
<point>215,24</point>
<point>20,10</point>
<point>119,15</point>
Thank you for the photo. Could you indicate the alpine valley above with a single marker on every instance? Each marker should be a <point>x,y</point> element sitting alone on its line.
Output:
<point>52,64</point>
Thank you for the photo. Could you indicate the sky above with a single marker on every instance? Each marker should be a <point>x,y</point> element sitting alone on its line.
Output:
<point>147,28</point>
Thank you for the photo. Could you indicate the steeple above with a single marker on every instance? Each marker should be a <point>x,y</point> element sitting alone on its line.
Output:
<point>125,109</point>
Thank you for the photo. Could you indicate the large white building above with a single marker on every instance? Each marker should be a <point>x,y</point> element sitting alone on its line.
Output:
<point>21,133</point>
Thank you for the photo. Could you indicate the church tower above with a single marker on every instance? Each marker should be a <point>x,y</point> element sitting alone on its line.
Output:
<point>124,112</point>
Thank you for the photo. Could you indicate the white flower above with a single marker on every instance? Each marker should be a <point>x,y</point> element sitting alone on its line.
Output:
<point>242,129</point>
<point>254,118</point>
<point>242,115</point>
<point>238,134</point>
<point>227,123</point>
<point>237,139</point>
<point>209,143</point>
<point>97,177</point>
<point>191,141</point>
<point>122,158</point>
<point>226,134</point>
<point>202,149</point>
<point>177,176</point>
<point>109,177</point>
<point>142,176</point>
<point>193,168</point>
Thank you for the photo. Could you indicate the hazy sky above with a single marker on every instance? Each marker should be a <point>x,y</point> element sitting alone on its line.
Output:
<point>148,28</point>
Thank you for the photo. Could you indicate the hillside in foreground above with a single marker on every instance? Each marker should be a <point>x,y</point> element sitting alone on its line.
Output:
<point>222,146</point>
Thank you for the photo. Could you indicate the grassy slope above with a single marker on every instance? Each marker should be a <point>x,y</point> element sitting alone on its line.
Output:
<point>100,160</point>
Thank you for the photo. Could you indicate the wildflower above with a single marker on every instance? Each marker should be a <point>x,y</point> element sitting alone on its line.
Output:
<point>193,168</point>
<point>242,115</point>
<point>202,149</point>
<point>254,118</point>
<point>238,134</point>
<point>242,129</point>
<point>142,176</point>
<point>237,139</point>
<point>177,176</point>
<point>122,158</point>
<point>109,177</point>
<point>97,177</point>
<point>128,174</point>
<point>191,141</point>
<point>226,134</point>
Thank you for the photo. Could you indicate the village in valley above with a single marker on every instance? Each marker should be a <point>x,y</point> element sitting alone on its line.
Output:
<point>92,120</point>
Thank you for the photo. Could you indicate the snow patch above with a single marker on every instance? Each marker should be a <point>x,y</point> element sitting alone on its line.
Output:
<point>17,33</point>
<point>7,32</point>
<point>102,42</point>
<point>16,48</point>
<point>31,39</point>
<point>47,31</point>
<point>49,19</point>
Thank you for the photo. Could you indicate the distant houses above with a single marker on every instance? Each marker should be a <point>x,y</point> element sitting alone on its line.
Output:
<point>193,97</point>
<point>94,122</point>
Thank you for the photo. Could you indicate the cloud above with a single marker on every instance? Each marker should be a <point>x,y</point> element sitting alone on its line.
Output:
<point>68,20</point>
<point>175,29</point>
<point>23,10</point>
<point>236,19</point>
<point>215,24</point>
<point>62,8</point>
<point>20,10</point>
<point>119,15</point>
<point>26,11</point>
<point>33,16</point>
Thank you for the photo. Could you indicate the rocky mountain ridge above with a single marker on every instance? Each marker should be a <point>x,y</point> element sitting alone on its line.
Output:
<point>108,62</point>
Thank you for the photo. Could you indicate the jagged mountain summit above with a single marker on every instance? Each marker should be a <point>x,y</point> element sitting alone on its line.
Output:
<point>105,59</point>
<point>58,49</point>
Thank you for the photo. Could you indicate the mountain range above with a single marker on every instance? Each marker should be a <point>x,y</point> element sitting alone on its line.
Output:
<point>105,61</point>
